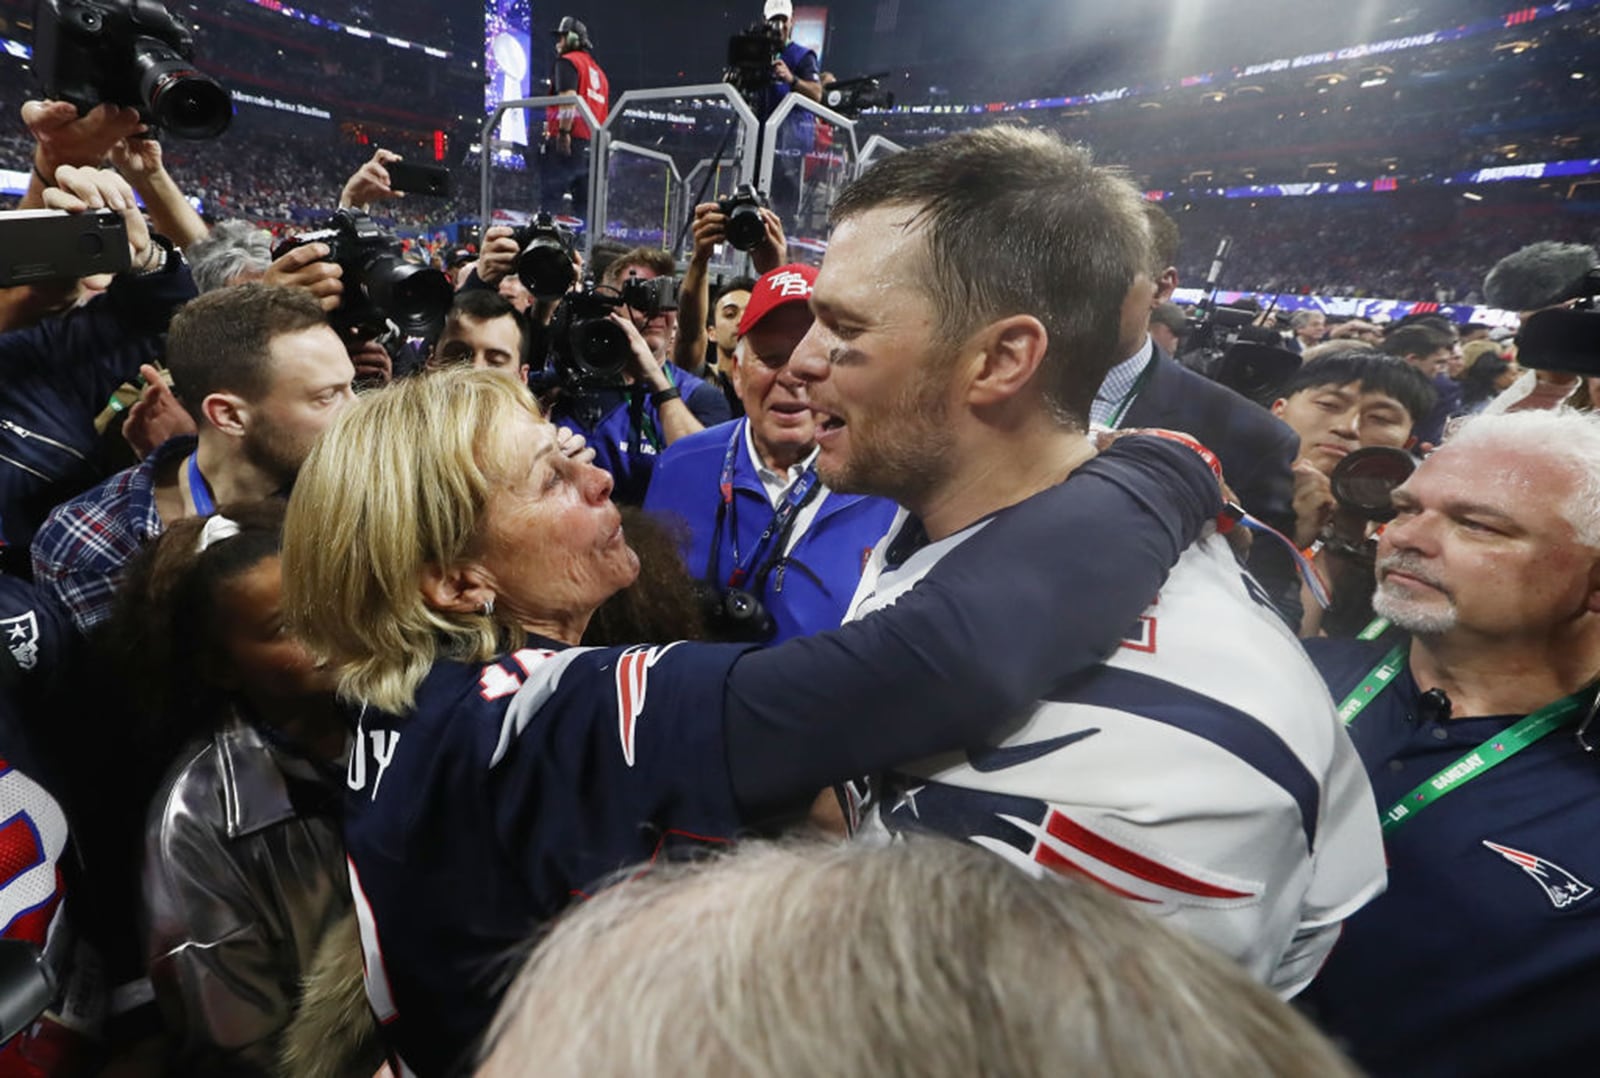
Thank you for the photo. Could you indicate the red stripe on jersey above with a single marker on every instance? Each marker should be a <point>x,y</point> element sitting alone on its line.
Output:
<point>1052,860</point>
<point>630,696</point>
<point>1133,864</point>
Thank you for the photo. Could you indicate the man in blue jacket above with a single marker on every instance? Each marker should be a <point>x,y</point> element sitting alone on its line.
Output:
<point>762,526</point>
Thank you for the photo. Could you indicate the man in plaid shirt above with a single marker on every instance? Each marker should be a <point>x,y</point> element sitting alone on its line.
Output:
<point>262,374</point>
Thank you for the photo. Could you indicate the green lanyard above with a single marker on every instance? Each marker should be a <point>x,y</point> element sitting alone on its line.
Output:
<point>1491,753</point>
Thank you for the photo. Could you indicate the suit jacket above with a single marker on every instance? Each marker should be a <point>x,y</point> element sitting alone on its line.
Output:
<point>1257,451</point>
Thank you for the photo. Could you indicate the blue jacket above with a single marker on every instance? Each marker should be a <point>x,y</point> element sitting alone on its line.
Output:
<point>810,589</point>
<point>604,419</point>
<point>54,380</point>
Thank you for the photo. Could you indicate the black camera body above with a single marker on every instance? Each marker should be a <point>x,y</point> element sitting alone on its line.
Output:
<point>751,55</point>
<point>745,228</point>
<point>133,53</point>
<point>588,350</point>
<point>1228,347</point>
<point>734,616</point>
<point>545,264</point>
<point>50,245</point>
<point>380,286</point>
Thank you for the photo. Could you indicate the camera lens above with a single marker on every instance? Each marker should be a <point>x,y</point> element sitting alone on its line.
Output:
<point>545,268</point>
<point>745,228</point>
<point>1365,480</point>
<point>178,98</point>
<point>599,350</point>
<point>416,297</point>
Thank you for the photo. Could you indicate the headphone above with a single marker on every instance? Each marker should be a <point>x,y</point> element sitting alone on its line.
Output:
<point>572,40</point>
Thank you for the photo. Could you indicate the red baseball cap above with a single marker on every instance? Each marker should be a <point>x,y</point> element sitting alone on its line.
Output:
<point>786,284</point>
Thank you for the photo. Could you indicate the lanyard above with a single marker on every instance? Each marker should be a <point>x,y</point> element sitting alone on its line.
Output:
<point>1492,752</point>
<point>798,494</point>
<point>1464,769</point>
<point>1127,398</point>
<point>199,492</point>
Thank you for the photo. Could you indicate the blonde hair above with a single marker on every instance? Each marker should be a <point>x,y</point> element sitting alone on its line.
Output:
<point>927,958</point>
<point>398,482</point>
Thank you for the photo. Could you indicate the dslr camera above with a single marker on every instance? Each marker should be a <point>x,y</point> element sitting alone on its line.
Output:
<point>380,286</point>
<point>590,352</point>
<point>545,264</point>
<point>745,228</point>
<point>133,53</point>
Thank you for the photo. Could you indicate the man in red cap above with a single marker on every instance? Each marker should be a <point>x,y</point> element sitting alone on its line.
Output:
<point>778,553</point>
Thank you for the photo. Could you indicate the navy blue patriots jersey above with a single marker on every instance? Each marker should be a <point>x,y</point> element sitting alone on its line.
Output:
<point>511,789</point>
<point>1483,957</point>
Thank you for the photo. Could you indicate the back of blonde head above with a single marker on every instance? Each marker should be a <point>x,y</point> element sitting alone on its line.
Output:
<point>925,959</point>
<point>399,481</point>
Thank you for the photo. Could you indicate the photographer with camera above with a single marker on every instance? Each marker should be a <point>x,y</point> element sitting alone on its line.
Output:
<point>691,350</point>
<point>613,382</point>
<point>778,554</point>
<point>1354,410</point>
<point>795,69</point>
<point>564,162</point>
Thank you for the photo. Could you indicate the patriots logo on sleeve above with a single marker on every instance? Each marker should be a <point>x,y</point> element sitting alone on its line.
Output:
<point>633,683</point>
<point>1035,835</point>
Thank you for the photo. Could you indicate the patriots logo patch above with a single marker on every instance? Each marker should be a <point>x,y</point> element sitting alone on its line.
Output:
<point>633,683</point>
<point>22,639</point>
<point>1561,887</point>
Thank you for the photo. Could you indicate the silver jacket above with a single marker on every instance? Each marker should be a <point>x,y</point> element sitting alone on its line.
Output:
<point>238,889</point>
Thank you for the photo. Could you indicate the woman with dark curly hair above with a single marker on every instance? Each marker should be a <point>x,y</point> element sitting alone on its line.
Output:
<point>243,872</point>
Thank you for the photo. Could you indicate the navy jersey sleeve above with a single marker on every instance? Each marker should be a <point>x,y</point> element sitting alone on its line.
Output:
<point>1044,592</point>
<point>607,755</point>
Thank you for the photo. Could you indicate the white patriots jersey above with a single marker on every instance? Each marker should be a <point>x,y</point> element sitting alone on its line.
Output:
<point>1200,772</point>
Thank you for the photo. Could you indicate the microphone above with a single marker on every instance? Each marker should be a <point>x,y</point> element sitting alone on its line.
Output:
<point>1540,275</point>
<point>1434,706</point>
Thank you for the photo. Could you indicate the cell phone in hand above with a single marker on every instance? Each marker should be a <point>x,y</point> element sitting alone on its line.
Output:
<point>44,245</point>
<point>430,180</point>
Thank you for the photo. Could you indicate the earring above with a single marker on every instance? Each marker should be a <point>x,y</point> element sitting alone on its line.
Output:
<point>486,608</point>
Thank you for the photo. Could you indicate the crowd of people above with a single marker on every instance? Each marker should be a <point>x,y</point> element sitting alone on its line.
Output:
<point>477,659</point>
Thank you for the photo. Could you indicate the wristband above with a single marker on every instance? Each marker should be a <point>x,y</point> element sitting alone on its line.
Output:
<point>46,180</point>
<point>662,396</point>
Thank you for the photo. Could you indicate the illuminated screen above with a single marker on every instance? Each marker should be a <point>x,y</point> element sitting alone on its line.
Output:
<point>811,29</point>
<point>507,62</point>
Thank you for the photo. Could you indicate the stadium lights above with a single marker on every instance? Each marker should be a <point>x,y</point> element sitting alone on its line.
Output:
<point>1577,74</point>
<point>1472,196</point>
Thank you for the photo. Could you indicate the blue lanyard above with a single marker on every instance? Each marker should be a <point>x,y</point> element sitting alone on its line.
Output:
<point>199,492</point>
<point>798,494</point>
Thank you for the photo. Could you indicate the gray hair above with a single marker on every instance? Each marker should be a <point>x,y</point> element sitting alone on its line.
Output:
<point>1303,318</point>
<point>235,252</point>
<point>926,958</point>
<point>1564,437</point>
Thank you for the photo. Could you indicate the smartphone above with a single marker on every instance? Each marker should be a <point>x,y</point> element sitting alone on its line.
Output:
<point>432,180</point>
<point>45,245</point>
